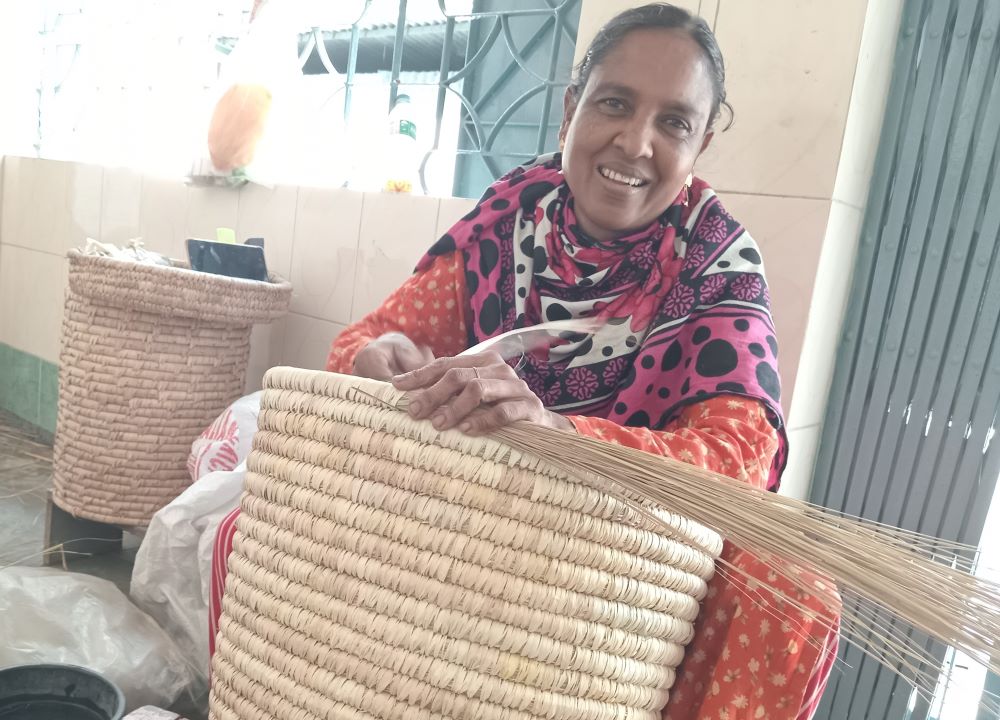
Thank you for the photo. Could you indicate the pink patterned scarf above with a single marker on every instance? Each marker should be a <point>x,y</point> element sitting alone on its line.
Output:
<point>685,302</point>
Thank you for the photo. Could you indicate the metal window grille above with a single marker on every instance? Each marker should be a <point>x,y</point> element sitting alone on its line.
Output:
<point>499,65</point>
<point>503,60</point>
<point>909,433</point>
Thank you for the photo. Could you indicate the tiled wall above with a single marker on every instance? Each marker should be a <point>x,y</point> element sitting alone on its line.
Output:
<point>29,387</point>
<point>343,251</point>
<point>835,265</point>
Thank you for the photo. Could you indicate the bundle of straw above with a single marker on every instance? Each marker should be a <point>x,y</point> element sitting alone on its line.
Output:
<point>880,570</point>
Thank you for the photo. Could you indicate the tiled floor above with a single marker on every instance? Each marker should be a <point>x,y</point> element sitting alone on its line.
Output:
<point>25,479</point>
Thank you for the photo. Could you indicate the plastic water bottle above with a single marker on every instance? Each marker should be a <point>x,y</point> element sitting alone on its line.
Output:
<point>401,148</point>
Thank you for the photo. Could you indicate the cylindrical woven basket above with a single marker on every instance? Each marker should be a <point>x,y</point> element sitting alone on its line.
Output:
<point>150,356</point>
<point>381,569</point>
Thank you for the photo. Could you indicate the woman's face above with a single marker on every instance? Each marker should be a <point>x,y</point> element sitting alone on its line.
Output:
<point>634,132</point>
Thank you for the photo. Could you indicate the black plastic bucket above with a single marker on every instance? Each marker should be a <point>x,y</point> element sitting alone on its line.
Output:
<point>58,692</point>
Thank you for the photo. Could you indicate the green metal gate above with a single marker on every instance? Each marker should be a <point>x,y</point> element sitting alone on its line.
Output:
<point>909,433</point>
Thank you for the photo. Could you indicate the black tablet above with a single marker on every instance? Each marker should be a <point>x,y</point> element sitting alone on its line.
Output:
<point>229,259</point>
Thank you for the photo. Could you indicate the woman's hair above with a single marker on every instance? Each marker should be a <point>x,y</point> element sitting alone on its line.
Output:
<point>661,16</point>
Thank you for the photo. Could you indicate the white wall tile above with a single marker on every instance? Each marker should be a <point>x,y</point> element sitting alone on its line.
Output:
<point>3,162</point>
<point>790,233</point>
<point>594,13</point>
<point>49,205</point>
<point>789,73</point>
<point>709,9</point>
<point>269,212</point>
<point>834,274</point>
<point>266,341</point>
<point>162,213</point>
<point>324,253</point>
<point>121,202</point>
<point>307,341</point>
<point>450,212</point>
<point>32,292</point>
<point>396,231</point>
<point>868,97</point>
<point>209,208</point>
<point>798,476</point>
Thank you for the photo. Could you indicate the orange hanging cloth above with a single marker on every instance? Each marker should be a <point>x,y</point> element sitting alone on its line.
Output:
<point>238,124</point>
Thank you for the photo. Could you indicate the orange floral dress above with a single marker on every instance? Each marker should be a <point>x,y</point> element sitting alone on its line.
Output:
<point>752,656</point>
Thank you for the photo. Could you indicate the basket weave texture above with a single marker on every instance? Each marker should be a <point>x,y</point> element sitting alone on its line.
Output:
<point>381,569</point>
<point>150,356</point>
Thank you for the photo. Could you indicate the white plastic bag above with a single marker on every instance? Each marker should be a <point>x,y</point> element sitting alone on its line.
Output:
<point>171,578</point>
<point>53,616</point>
<point>172,572</point>
<point>226,443</point>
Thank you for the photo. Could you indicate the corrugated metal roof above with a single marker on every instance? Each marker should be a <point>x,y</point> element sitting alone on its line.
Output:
<point>422,47</point>
<point>344,13</point>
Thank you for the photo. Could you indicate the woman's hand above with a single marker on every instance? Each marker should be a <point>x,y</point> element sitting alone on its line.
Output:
<point>390,355</point>
<point>476,393</point>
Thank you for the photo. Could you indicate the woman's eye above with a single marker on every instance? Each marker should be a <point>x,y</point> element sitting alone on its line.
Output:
<point>613,104</point>
<point>676,123</point>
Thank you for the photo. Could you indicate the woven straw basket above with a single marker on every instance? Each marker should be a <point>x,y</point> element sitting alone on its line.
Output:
<point>150,356</point>
<point>384,570</point>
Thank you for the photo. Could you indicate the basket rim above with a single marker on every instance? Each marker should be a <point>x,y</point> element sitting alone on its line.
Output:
<point>179,268</point>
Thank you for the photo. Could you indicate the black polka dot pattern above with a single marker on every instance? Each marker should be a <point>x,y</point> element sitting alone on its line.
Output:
<point>716,358</point>
<point>555,312</point>
<point>767,378</point>
<point>638,419</point>
<point>489,317</point>
<point>444,246</point>
<point>541,259</point>
<point>530,194</point>
<point>489,256</point>
<point>731,387</point>
<point>672,357</point>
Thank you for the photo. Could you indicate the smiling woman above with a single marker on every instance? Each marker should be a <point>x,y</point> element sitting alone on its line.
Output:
<point>684,364</point>
<point>636,119</point>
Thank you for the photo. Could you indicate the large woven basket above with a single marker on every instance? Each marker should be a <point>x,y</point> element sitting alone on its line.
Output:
<point>150,356</point>
<point>384,570</point>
